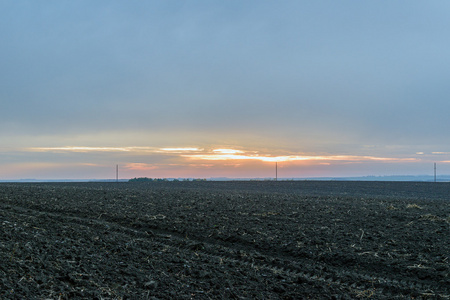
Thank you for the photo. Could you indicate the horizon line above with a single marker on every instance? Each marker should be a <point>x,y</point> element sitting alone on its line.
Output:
<point>322,178</point>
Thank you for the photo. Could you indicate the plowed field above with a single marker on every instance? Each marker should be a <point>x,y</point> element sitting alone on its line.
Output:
<point>225,240</point>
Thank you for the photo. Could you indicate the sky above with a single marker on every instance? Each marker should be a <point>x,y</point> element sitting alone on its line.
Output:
<point>201,89</point>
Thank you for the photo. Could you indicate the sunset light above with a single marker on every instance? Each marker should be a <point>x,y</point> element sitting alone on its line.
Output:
<point>227,151</point>
<point>229,155</point>
<point>199,161</point>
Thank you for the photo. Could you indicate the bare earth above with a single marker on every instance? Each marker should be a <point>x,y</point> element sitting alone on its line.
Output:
<point>225,240</point>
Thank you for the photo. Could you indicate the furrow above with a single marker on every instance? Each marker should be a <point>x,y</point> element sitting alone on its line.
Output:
<point>304,270</point>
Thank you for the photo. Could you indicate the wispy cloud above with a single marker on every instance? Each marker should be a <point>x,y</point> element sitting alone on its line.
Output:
<point>113,149</point>
<point>182,149</point>
<point>89,149</point>
<point>219,154</point>
<point>227,151</point>
<point>231,154</point>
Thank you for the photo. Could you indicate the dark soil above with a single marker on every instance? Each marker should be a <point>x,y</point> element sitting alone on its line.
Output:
<point>222,240</point>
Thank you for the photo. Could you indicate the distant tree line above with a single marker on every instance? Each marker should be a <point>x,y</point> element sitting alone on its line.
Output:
<point>146,179</point>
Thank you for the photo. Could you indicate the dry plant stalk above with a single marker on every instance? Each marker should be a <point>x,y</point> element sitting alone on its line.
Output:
<point>413,206</point>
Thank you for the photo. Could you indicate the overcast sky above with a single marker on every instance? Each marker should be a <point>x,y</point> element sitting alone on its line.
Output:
<point>327,88</point>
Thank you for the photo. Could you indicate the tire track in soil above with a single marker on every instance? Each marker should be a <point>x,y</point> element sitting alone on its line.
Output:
<point>305,270</point>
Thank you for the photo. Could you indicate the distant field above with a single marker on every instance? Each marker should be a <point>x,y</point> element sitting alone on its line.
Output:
<point>209,240</point>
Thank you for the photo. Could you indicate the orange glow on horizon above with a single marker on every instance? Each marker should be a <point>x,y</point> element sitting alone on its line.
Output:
<point>213,161</point>
<point>220,154</point>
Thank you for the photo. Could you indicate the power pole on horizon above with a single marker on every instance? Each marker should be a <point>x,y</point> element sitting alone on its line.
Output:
<point>276,171</point>
<point>117,173</point>
<point>434,172</point>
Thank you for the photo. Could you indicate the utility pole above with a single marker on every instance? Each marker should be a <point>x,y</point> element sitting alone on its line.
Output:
<point>117,173</point>
<point>276,171</point>
<point>434,172</point>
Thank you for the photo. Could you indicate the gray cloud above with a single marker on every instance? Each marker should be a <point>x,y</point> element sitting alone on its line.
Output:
<point>371,72</point>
